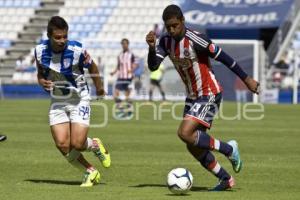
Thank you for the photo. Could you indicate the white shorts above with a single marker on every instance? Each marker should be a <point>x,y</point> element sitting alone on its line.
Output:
<point>61,112</point>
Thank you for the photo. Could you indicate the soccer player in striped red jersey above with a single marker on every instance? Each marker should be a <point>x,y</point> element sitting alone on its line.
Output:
<point>190,52</point>
<point>126,66</point>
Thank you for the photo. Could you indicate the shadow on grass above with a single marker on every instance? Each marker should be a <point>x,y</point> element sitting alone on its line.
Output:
<point>56,182</point>
<point>194,188</point>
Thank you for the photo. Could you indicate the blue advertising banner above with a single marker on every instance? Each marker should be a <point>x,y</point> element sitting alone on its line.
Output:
<point>239,14</point>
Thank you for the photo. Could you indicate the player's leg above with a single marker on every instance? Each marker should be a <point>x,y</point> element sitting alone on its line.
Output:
<point>127,94</point>
<point>199,113</point>
<point>116,95</point>
<point>61,133</point>
<point>208,161</point>
<point>81,142</point>
<point>189,132</point>
<point>151,90</point>
<point>60,129</point>
<point>117,89</point>
<point>128,107</point>
<point>61,136</point>
<point>128,88</point>
<point>80,118</point>
<point>161,91</point>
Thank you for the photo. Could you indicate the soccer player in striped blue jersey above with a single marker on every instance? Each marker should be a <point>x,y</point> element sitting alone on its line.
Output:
<point>190,52</point>
<point>60,63</point>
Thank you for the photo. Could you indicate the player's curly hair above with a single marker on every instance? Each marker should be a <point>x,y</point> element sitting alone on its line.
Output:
<point>172,11</point>
<point>57,22</point>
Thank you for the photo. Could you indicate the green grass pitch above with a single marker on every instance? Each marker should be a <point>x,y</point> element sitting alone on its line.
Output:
<point>143,151</point>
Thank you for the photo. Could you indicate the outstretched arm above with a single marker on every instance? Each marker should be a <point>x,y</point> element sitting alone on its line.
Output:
<point>229,62</point>
<point>87,62</point>
<point>204,45</point>
<point>95,75</point>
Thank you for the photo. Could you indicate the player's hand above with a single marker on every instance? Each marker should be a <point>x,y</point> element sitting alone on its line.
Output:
<point>87,58</point>
<point>46,84</point>
<point>252,85</point>
<point>151,39</point>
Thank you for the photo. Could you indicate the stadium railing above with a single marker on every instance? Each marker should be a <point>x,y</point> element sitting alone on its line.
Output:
<point>284,34</point>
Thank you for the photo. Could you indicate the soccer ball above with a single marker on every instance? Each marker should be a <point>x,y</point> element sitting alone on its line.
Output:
<point>180,180</point>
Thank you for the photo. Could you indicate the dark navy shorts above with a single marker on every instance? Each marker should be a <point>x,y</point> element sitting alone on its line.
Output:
<point>155,82</point>
<point>123,84</point>
<point>203,109</point>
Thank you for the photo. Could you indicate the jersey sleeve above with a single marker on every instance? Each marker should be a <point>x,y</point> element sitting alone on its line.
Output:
<point>38,51</point>
<point>156,56</point>
<point>35,54</point>
<point>161,48</point>
<point>203,44</point>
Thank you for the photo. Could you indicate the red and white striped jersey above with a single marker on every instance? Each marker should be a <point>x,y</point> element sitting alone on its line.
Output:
<point>190,57</point>
<point>125,65</point>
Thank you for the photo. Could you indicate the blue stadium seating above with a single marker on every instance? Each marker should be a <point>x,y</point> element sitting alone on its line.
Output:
<point>19,3</point>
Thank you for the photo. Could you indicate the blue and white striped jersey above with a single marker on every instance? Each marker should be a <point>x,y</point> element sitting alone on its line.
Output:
<point>65,69</point>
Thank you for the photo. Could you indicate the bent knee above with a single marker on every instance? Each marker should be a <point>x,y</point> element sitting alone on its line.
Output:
<point>78,145</point>
<point>185,135</point>
<point>63,147</point>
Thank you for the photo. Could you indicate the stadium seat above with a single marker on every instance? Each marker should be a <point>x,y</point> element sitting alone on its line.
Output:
<point>296,44</point>
<point>101,24</point>
<point>88,28</point>
<point>298,35</point>
<point>73,35</point>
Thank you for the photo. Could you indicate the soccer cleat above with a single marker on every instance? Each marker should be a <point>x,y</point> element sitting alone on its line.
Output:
<point>224,185</point>
<point>101,152</point>
<point>235,157</point>
<point>91,178</point>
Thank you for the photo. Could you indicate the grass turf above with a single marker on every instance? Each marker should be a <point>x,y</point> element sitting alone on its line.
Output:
<point>143,151</point>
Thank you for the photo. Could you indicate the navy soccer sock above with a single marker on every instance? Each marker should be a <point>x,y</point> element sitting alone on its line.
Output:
<point>205,141</point>
<point>209,162</point>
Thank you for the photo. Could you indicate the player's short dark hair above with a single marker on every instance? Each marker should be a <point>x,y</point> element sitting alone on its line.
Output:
<point>172,11</point>
<point>57,22</point>
<point>125,40</point>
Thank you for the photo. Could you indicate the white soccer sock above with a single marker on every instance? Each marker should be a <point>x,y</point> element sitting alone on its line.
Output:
<point>72,158</point>
<point>89,144</point>
<point>216,169</point>
<point>217,144</point>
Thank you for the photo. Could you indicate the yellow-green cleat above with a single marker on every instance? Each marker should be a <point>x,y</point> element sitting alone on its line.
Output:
<point>100,152</point>
<point>91,178</point>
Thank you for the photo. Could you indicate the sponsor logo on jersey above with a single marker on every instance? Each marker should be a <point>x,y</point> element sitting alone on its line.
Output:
<point>213,48</point>
<point>67,62</point>
<point>186,52</point>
